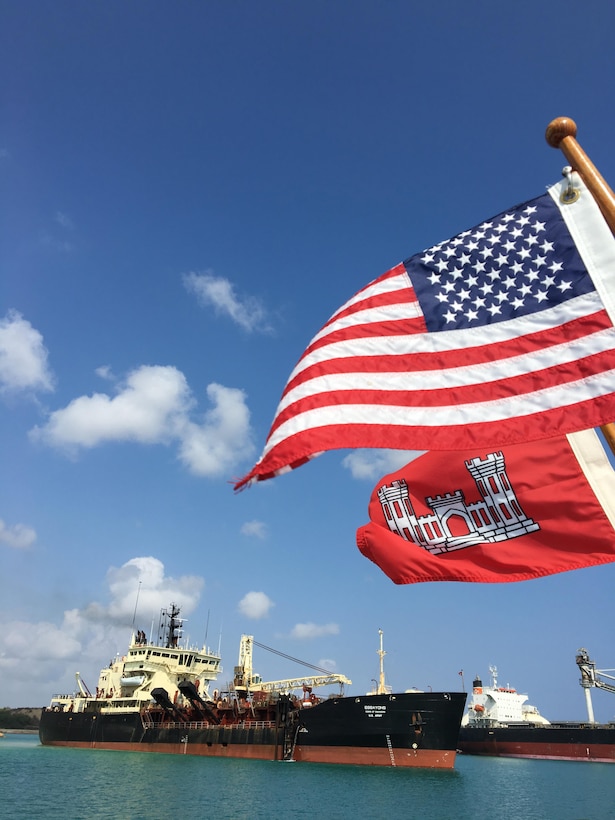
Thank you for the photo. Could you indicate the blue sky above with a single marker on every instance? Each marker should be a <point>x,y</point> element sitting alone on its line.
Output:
<point>188,192</point>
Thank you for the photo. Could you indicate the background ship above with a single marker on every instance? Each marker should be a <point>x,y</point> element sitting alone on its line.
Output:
<point>500,723</point>
<point>157,699</point>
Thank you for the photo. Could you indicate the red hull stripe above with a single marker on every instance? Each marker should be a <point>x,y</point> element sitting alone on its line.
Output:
<point>595,752</point>
<point>253,752</point>
<point>377,756</point>
<point>368,756</point>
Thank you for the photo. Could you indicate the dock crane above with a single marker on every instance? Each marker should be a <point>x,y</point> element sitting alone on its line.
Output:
<point>590,677</point>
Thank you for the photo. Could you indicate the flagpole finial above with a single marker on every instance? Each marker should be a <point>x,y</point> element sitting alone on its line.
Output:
<point>559,129</point>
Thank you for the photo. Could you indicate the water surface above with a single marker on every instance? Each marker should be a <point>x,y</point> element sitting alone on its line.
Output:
<point>45,782</point>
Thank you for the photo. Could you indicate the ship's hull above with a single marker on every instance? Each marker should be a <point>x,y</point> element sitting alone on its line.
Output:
<point>559,741</point>
<point>127,733</point>
<point>417,729</point>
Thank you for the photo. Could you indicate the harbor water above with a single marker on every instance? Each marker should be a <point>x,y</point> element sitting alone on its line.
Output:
<point>71,784</point>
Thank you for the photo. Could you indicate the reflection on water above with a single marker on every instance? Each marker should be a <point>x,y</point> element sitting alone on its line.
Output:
<point>37,781</point>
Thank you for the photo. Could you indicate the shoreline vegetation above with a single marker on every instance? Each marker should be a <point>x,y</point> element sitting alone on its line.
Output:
<point>24,720</point>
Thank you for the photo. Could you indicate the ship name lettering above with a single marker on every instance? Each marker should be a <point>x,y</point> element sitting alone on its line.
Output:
<point>374,711</point>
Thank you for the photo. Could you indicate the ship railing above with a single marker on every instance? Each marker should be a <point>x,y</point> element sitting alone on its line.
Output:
<point>148,723</point>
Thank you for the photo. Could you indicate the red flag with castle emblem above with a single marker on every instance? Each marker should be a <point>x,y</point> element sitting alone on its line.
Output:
<point>489,516</point>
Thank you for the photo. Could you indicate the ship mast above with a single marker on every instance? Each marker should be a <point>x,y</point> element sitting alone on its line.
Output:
<point>382,690</point>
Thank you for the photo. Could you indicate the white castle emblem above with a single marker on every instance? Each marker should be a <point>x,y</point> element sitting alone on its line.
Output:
<point>453,524</point>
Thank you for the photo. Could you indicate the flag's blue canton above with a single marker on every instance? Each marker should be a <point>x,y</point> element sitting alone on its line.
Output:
<point>519,262</point>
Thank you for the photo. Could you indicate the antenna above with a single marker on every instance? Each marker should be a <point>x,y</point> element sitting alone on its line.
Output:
<point>136,604</point>
<point>207,627</point>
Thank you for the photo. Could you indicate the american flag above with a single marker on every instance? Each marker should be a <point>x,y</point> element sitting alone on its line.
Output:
<point>500,335</point>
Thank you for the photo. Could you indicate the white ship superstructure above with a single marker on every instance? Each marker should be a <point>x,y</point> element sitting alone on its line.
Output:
<point>499,705</point>
<point>135,680</point>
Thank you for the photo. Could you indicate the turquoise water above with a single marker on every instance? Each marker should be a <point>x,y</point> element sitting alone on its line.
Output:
<point>42,782</point>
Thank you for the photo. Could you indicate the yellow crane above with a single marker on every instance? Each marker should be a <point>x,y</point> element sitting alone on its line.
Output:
<point>246,679</point>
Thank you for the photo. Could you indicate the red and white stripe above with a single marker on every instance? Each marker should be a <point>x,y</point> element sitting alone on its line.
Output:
<point>374,377</point>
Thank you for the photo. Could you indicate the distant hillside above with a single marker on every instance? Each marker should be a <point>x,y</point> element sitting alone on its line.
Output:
<point>24,718</point>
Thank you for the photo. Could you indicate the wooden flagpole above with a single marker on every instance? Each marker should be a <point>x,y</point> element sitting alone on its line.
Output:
<point>561,133</point>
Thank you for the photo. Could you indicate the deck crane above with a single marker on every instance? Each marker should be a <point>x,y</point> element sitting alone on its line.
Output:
<point>590,676</point>
<point>246,679</point>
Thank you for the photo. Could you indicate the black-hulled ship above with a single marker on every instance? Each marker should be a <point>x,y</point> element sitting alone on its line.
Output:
<point>499,723</point>
<point>157,698</point>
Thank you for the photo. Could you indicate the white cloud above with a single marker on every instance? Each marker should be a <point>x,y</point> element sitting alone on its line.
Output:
<point>373,464</point>
<point>255,605</point>
<point>42,642</point>
<point>223,438</point>
<point>23,356</point>
<point>60,245</point>
<point>145,410</point>
<point>143,580</point>
<point>84,639</point>
<point>105,372</point>
<point>153,407</point>
<point>308,631</point>
<point>64,221</point>
<point>256,529</point>
<point>56,240</point>
<point>19,536</point>
<point>219,293</point>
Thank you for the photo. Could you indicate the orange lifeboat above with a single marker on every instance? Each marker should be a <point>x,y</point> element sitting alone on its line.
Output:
<point>479,708</point>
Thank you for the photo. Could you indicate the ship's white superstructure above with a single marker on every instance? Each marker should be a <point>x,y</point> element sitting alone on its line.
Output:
<point>169,674</point>
<point>129,681</point>
<point>499,705</point>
